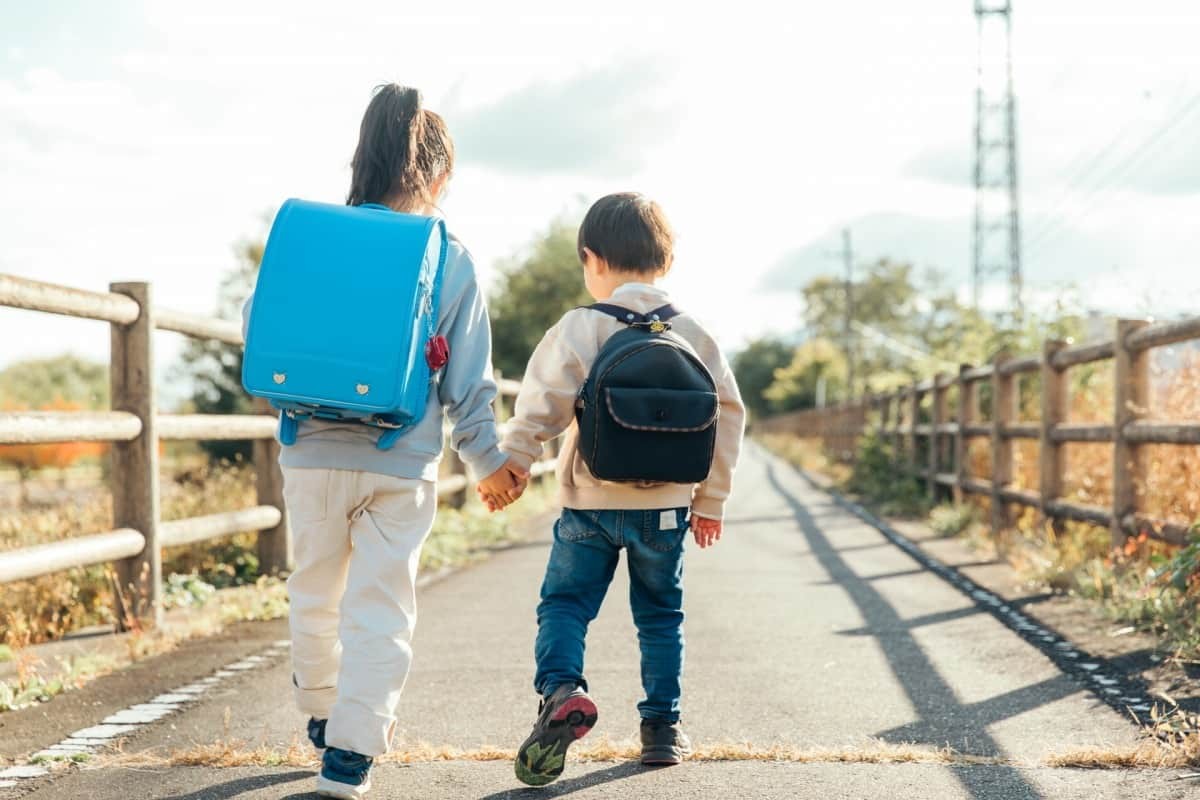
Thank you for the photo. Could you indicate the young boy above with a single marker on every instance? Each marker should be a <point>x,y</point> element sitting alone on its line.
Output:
<point>625,244</point>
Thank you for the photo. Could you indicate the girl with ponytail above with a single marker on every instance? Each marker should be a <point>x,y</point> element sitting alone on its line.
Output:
<point>360,515</point>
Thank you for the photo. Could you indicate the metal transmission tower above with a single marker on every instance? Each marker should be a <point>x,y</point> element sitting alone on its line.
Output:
<point>997,238</point>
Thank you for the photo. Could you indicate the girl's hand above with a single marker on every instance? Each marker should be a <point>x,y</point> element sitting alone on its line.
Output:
<point>503,486</point>
<point>707,532</point>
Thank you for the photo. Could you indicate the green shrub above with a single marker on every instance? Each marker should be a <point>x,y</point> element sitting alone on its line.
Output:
<point>949,519</point>
<point>880,477</point>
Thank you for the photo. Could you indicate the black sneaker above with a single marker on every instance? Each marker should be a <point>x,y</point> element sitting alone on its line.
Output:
<point>664,743</point>
<point>566,715</point>
<point>316,732</point>
<point>345,774</point>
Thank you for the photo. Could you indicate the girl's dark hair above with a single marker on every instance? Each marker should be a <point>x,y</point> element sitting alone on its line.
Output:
<point>629,231</point>
<point>402,149</point>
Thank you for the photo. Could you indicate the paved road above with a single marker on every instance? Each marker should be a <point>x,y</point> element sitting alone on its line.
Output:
<point>805,627</point>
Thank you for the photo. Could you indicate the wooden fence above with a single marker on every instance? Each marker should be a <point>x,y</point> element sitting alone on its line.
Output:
<point>134,428</point>
<point>933,439</point>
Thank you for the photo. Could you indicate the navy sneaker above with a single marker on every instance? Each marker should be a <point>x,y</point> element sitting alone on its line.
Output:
<point>565,716</point>
<point>344,774</point>
<point>316,732</point>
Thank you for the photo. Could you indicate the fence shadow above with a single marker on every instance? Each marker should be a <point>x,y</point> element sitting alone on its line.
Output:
<point>941,715</point>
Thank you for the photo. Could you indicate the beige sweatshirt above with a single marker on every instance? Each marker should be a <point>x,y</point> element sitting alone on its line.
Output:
<point>545,408</point>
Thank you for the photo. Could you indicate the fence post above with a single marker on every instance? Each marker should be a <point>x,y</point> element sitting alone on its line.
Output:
<point>274,545</point>
<point>1003,410</point>
<point>134,473</point>
<point>1131,395</point>
<point>938,414</point>
<point>1054,412</point>
<point>964,417</point>
<point>914,412</point>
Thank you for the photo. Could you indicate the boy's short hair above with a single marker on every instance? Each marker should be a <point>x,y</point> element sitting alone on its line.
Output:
<point>629,231</point>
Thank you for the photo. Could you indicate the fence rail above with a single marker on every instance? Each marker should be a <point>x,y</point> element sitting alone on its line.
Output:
<point>934,445</point>
<point>134,427</point>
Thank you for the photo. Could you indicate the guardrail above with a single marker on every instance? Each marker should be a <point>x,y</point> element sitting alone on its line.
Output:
<point>934,443</point>
<point>134,428</point>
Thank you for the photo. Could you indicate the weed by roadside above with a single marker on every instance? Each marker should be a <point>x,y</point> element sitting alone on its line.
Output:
<point>1171,741</point>
<point>949,519</point>
<point>238,753</point>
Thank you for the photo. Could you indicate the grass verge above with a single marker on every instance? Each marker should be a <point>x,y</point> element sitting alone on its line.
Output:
<point>234,753</point>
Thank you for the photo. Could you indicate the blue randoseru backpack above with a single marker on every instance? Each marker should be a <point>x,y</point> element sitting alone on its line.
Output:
<point>648,409</point>
<point>344,317</point>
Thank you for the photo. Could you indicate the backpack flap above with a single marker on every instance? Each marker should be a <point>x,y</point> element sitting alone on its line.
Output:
<point>662,410</point>
<point>343,310</point>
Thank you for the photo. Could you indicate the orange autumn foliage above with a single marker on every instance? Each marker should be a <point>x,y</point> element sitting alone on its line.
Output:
<point>32,457</point>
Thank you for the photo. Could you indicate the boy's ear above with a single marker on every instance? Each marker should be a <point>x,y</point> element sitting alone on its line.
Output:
<point>594,262</point>
<point>666,269</point>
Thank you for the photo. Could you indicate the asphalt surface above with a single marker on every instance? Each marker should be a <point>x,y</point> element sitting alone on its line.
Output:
<point>805,627</point>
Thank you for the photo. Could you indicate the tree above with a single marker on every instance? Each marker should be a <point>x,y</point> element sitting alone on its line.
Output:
<point>885,299</point>
<point>534,291</point>
<point>755,367</point>
<point>797,385</point>
<point>62,379</point>
<point>215,368</point>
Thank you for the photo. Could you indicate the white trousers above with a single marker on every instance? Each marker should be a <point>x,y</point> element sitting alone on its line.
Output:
<point>357,538</point>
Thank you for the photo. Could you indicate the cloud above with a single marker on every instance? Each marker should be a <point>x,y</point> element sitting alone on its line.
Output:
<point>948,164</point>
<point>596,123</point>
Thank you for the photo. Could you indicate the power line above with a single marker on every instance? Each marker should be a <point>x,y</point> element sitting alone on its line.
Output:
<point>1118,172</point>
<point>1085,164</point>
<point>901,347</point>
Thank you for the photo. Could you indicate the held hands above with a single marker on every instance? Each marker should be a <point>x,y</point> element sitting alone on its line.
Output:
<point>504,486</point>
<point>707,532</point>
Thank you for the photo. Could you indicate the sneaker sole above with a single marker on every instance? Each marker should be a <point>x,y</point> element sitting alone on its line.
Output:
<point>570,723</point>
<point>662,758</point>
<point>342,791</point>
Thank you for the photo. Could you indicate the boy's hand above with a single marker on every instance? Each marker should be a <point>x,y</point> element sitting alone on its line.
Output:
<point>706,531</point>
<point>503,486</point>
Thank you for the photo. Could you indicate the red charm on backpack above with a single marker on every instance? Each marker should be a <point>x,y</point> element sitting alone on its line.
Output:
<point>437,352</point>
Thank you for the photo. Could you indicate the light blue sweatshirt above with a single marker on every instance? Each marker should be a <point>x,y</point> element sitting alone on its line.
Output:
<point>465,390</point>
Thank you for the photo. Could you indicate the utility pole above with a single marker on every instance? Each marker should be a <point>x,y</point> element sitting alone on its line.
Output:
<point>997,239</point>
<point>848,331</point>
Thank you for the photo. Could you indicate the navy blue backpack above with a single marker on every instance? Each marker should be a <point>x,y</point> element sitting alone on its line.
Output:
<point>648,410</point>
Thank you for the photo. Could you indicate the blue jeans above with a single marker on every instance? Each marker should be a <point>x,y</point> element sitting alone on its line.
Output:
<point>582,563</point>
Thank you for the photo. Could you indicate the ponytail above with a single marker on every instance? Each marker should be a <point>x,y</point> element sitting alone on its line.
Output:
<point>402,150</point>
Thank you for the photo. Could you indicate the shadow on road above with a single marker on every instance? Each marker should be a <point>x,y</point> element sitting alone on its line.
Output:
<point>571,785</point>
<point>942,717</point>
<point>252,783</point>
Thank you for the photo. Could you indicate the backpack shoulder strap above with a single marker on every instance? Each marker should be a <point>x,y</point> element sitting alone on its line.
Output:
<point>658,318</point>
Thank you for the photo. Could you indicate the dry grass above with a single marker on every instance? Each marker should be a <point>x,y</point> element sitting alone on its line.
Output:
<point>235,753</point>
<point>1172,741</point>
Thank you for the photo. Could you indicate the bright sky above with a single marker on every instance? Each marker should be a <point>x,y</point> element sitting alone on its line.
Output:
<point>142,140</point>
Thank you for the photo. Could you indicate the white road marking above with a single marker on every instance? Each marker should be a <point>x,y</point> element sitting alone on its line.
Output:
<point>87,740</point>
